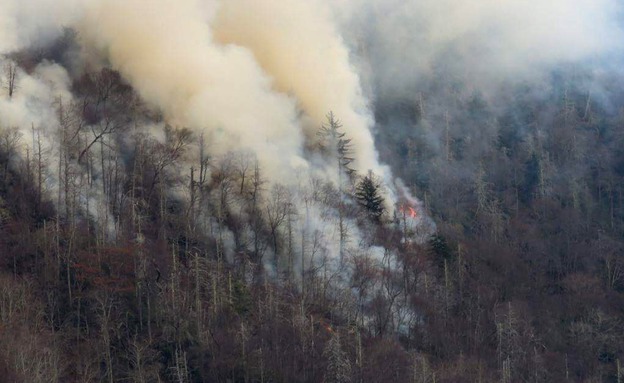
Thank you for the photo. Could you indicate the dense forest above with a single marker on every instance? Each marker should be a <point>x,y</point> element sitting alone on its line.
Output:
<point>136,248</point>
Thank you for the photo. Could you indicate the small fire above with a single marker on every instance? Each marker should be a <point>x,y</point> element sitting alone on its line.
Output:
<point>322,323</point>
<point>408,211</point>
<point>328,328</point>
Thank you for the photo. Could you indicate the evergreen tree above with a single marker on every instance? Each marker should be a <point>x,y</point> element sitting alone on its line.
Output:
<point>439,247</point>
<point>368,196</point>
<point>333,140</point>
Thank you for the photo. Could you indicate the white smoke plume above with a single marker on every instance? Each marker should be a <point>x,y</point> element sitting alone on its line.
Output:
<point>261,75</point>
<point>165,50</point>
<point>296,42</point>
<point>246,89</point>
<point>31,112</point>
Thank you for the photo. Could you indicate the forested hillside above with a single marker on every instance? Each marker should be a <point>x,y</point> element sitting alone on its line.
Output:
<point>191,194</point>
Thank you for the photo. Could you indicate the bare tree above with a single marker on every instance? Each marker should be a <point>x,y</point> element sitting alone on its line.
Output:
<point>9,140</point>
<point>106,307</point>
<point>255,200</point>
<point>10,74</point>
<point>278,208</point>
<point>243,162</point>
<point>143,360</point>
<point>338,364</point>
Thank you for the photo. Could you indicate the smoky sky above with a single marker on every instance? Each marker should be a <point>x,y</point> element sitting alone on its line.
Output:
<point>261,75</point>
<point>483,43</point>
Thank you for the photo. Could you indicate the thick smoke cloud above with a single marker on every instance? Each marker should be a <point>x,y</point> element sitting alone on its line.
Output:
<point>261,75</point>
<point>167,53</point>
<point>297,44</point>
<point>34,23</point>
<point>33,103</point>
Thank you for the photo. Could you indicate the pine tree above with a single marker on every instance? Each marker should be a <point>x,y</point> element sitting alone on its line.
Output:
<point>439,247</point>
<point>368,196</point>
<point>333,140</point>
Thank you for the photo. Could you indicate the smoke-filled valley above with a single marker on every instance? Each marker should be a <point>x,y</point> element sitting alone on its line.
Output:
<point>311,191</point>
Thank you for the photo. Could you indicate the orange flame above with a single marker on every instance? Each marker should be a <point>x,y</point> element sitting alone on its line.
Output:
<point>408,211</point>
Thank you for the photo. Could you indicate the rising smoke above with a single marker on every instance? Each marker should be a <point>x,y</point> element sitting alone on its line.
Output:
<point>261,75</point>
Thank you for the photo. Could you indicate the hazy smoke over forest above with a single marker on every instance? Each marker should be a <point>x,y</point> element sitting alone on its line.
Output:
<point>222,68</point>
<point>312,190</point>
<point>483,42</point>
<point>260,76</point>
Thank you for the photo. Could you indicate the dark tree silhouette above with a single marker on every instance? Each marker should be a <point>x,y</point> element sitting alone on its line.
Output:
<point>368,195</point>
